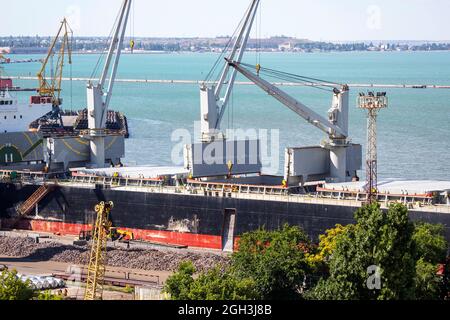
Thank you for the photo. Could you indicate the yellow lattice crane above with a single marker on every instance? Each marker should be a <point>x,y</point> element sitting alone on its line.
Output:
<point>97,260</point>
<point>51,86</point>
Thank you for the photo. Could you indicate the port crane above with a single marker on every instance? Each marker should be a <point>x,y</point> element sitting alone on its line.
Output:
<point>99,94</point>
<point>214,99</point>
<point>336,126</point>
<point>98,256</point>
<point>102,232</point>
<point>51,87</point>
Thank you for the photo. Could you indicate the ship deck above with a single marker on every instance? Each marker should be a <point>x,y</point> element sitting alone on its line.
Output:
<point>416,195</point>
<point>254,192</point>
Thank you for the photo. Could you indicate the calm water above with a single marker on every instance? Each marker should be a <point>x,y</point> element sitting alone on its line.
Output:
<point>414,139</point>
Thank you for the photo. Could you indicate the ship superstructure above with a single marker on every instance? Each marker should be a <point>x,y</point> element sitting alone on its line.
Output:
<point>16,116</point>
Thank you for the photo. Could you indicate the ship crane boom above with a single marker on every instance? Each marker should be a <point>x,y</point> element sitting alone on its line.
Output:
<point>99,96</point>
<point>299,108</point>
<point>215,99</point>
<point>336,126</point>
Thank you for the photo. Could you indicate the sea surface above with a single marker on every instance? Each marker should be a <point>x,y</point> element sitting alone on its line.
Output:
<point>413,133</point>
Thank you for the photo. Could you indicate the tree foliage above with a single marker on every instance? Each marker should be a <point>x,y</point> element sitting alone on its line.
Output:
<point>327,244</point>
<point>47,295</point>
<point>218,285</point>
<point>214,284</point>
<point>277,261</point>
<point>428,283</point>
<point>179,284</point>
<point>431,243</point>
<point>379,240</point>
<point>431,250</point>
<point>12,288</point>
<point>268,265</point>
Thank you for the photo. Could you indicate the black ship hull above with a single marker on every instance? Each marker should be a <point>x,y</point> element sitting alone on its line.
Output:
<point>191,220</point>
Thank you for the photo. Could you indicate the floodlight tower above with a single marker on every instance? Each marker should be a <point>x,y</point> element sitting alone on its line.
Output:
<point>373,103</point>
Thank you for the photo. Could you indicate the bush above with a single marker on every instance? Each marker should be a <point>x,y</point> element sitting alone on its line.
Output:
<point>12,288</point>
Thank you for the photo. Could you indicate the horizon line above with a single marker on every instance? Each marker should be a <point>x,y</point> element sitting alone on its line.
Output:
<point>227,36</point>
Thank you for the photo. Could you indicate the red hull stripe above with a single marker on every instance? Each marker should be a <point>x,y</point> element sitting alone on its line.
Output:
<point>163,237</point>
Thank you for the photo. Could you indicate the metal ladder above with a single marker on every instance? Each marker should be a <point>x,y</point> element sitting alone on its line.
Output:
<point>26,207</point>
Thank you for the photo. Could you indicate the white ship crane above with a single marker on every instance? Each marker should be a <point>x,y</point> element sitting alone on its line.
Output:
<point>214,99</point>
<point>336,127</point>
<point>99,94</point>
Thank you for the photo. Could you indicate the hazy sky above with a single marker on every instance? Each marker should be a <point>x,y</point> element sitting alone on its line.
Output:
<point>313,19</point>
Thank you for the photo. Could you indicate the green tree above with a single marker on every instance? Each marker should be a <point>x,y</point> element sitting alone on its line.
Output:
<point>215,284</point>
<point>218,285</point>
<point>430,241</point>
<point>12,288</point>
<point>428,283</point>
<point>380,240</point>
<point>431,250</point>
<point>277,261</point>
<point>179,284</point>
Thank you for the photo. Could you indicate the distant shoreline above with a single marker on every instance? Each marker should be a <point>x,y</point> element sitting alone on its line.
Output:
<point>210,52</point>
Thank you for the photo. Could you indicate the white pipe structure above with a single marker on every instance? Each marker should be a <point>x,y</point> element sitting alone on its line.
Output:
<point>212,103</point>
<point>97,98</point>
<point>336,127</point>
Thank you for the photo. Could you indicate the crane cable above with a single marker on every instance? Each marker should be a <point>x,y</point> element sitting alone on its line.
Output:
<point>103,54</point>
<point>224,51</point>
<point>71,75</point>
<point>285,76</point>
<point>132,28</point>
<point>258,39</point>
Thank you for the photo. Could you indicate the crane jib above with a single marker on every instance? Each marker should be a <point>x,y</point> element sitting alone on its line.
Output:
<point>306,113</point>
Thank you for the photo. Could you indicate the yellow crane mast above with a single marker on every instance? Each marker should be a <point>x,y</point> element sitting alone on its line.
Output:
<point>52,87</point>
<point>97,260</point>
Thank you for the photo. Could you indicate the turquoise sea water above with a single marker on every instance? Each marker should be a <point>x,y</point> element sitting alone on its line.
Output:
<point>414,132</point>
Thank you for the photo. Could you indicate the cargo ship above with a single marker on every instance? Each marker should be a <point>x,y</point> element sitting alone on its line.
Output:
<point>162,205</point>
<point>221,191</point>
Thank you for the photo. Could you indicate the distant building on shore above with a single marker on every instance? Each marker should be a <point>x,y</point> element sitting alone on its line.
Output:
<point>29,50</point>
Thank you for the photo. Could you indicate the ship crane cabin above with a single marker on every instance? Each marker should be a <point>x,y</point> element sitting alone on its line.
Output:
<point>336,160</point>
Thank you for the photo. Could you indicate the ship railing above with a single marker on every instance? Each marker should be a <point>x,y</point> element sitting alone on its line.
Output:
<point>227,189</point>
<point>252,192</point>
<point>409,200</point>
<point>115,182</point>
<point>24,176</point>
<point>102,132</point>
